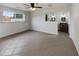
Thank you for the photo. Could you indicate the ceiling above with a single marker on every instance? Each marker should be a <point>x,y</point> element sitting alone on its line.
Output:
<point>21,6</point>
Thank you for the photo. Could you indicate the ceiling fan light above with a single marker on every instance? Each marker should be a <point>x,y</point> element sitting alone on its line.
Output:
<point>33,9</point>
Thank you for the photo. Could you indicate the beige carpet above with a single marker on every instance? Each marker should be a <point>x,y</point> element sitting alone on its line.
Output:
<point>33,43</point>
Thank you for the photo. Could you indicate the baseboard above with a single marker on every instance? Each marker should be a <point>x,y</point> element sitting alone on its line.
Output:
<point>75,46</point>
<point>17,33</point>
<point>43,32</point>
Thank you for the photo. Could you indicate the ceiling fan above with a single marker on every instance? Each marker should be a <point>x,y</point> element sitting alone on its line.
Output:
<point>32,6</point>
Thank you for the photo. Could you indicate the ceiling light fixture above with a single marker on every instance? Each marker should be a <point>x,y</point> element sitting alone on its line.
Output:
<point>33,9</point>
<point>53,16</point>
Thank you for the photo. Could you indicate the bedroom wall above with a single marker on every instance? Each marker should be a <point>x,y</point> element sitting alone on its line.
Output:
<point>8,28</point>
<point>39,23</point>
<point>75,25</point>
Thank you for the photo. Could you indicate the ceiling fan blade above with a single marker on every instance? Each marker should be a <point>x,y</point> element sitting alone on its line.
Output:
<point>38,7</point>
<point>26,5</point>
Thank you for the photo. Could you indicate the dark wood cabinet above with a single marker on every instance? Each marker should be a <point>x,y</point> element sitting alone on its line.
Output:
<point>63,27</point>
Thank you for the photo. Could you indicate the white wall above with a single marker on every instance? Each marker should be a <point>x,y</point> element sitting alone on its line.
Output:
<point>45,26</point>
<point>39,23</point>
<point>70,22</point>
<point>8,28</point>
<point>75,25</point>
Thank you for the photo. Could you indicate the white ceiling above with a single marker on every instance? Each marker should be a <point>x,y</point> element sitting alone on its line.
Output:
<point>21,6</point>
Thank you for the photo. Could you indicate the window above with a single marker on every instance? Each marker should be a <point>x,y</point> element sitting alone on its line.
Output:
<point>9,16</point>
<point>18,16</point>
